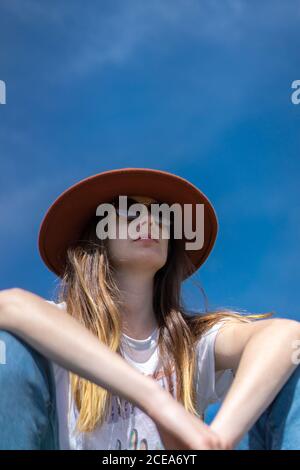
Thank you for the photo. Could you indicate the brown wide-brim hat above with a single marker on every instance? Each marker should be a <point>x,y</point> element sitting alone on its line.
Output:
<point>67,217</point>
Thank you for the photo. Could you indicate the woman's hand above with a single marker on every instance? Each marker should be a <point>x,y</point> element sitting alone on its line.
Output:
<point>179,429</point>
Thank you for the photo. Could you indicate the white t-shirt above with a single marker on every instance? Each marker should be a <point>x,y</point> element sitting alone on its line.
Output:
<point>127,426</point>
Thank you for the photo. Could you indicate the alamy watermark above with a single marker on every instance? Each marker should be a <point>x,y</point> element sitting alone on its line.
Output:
<point>295,97</point>
<point>296,353</point>
<point>2,352</point>
<point>2,92</point>
<point>164,217</point>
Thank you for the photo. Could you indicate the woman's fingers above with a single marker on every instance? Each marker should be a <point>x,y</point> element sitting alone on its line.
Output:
<point>185,433</point>
<point>180,430</point>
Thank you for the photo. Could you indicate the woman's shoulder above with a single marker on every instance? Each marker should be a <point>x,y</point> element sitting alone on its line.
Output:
<point>207,338</point>
<point>212,385</point>
<point>205,350</point>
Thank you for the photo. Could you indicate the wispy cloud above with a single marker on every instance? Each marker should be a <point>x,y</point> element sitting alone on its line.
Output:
<point>135,27</point>
<point>112,33</point>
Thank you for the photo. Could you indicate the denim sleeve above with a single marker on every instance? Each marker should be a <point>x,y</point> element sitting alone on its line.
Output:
<point>27,397</point>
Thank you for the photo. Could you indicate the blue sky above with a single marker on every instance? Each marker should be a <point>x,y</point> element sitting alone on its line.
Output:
<point>198,88</point>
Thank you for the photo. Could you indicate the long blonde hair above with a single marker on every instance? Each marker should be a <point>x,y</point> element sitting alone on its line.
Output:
<point>91,294</point>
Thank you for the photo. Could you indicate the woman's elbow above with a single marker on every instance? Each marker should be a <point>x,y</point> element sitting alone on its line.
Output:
<point>287,333</point>
<point>10,306</point>
<point>291,327</point>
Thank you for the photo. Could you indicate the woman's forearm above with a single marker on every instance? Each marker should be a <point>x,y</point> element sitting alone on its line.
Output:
<point>264,367</point>
<point>62,339</point>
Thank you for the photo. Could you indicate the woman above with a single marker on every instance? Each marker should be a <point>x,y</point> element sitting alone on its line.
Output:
<point>120,299</point>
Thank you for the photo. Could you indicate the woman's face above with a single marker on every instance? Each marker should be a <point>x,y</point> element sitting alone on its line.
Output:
<point>137,252</point>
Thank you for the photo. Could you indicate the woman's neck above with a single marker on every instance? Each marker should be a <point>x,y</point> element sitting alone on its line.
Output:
<point>136,290</point>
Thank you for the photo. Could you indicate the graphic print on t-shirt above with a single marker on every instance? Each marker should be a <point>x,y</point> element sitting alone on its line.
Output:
<point>124,410</point>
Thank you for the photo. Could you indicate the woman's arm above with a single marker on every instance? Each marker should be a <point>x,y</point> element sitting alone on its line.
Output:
<point>62,339</point>
<point>260,354</point>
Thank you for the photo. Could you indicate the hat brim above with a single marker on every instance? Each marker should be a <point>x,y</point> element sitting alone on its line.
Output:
<point>68,215</point>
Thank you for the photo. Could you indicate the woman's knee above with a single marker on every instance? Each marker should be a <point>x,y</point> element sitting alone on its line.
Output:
<point>27,405</point>
<point>20,363</point>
